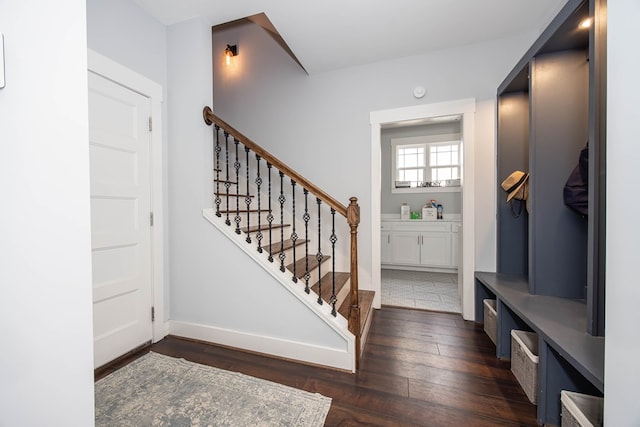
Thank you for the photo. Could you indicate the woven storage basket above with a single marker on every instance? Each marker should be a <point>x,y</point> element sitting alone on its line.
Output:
<point>524,362</point>
<point>491,319</point>
<point>581,410</point>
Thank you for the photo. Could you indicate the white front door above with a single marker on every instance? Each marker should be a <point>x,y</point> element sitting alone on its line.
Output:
<point>119,147</point>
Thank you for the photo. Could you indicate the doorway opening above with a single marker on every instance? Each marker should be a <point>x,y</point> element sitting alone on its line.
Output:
<point>420,174</point>
<point>413,116</point>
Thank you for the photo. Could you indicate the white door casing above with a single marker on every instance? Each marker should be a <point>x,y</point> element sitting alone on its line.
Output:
<point>466,262</point>
<point>119,152</point>
<point>126,186</point>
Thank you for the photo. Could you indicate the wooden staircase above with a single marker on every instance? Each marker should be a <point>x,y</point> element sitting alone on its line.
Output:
<point>287,243</point>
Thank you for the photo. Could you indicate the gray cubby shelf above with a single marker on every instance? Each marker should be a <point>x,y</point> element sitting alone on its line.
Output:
<point>570,359</point>
<point>560,322</point>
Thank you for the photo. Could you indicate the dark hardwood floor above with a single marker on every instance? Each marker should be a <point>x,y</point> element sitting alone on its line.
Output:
<point>419,368</point>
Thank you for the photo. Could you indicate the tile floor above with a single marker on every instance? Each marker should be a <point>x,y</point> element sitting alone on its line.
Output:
<point>418,289</point>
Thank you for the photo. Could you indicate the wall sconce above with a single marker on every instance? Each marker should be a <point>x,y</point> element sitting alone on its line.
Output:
<point>586,23</point>
<point>230,52</point>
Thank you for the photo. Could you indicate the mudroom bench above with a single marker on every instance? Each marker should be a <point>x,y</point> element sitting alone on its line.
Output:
<point>569,358</point>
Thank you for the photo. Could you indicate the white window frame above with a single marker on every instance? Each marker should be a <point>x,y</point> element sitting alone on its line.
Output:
<point>426,142</point>
<point>430,167</point>
<point>394,160</point>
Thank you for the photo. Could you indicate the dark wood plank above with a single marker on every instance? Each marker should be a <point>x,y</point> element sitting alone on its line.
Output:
<point>231,195</point>
<point>242,211</point>
<point>263,228</point>
<point>326,282</point>
<point>287,244</point>
<point>405,379</point>
<point>309,261</point>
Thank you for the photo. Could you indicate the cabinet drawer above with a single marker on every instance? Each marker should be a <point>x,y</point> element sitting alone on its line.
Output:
<point>386,226</point>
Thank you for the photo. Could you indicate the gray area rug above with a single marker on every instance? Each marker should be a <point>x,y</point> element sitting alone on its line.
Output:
<point>158,390</point>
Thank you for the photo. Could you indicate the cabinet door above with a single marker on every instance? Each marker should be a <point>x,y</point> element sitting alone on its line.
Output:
<point>385,247</point>
<point>455,245</point>
<point>436,249</point>
<point>405,247</point>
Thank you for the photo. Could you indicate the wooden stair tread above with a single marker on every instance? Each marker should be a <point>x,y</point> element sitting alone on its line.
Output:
<point>341,279</point>
<point>287,244</point>
<point>300,264</point>
<point>232,195</point>
<point>263,228</point>
<point>224,211</point>
<point>365,298</point>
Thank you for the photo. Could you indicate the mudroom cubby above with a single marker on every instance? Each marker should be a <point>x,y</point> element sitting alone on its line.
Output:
<point>550,260</point>
<point>570,359</point>
<point>549,107</point>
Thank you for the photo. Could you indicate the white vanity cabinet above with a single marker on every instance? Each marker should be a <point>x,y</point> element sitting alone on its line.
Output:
<point>385,243</point>
<point>419,244</point>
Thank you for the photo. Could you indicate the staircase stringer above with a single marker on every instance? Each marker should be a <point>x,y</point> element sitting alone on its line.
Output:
<point>337,323</point>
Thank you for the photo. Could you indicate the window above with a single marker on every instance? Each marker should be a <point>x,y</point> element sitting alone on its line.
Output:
<point>424,164</point>
<point>444,161</point>
<point>411,163</point>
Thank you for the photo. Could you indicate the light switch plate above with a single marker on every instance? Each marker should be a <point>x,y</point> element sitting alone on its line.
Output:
<point>1,60</point>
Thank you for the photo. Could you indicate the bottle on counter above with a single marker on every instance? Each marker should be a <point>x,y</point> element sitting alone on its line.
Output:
<point>440,211</point>
<point>405,211</point>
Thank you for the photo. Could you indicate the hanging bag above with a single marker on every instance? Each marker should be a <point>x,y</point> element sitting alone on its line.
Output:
<point>576,189</point>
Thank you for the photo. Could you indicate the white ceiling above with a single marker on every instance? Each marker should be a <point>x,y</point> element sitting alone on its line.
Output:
<point>330,34</point>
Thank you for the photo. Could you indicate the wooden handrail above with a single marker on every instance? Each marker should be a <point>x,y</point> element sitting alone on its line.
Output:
<point>210,118</point>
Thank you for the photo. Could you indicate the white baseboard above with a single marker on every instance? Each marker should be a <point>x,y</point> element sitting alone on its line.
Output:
<point>304,352</point>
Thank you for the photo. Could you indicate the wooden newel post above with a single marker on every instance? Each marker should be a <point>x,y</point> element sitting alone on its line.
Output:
<point>353,218</point>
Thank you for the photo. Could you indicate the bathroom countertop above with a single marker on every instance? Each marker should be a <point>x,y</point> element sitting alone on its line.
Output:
<point>446,218</point>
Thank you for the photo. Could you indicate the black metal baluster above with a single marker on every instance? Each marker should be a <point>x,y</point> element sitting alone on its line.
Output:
<point>281,199</point>
<point>259,184</point>
<point>217,150</point>
<point>227,183</point>
<point>270,217</point>
<point>236,166</point>
<point>306,217</point>
<point>294,236</point>
<point>333,239</point>
<point>319,255</point>
<point>247,199</point>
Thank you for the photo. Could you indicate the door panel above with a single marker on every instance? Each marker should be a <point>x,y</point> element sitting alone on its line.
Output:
<point>436,249</point>
<point>405,247</point>
<point>119,144</point>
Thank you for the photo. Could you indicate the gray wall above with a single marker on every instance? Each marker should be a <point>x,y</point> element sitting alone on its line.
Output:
<point>121,31</point>
<point>391,202</point>
<point>46,362</point>
<point>319,124</point>
<point>213,282</point>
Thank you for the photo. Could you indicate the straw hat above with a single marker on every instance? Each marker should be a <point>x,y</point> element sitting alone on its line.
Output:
<point>516,186</point>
